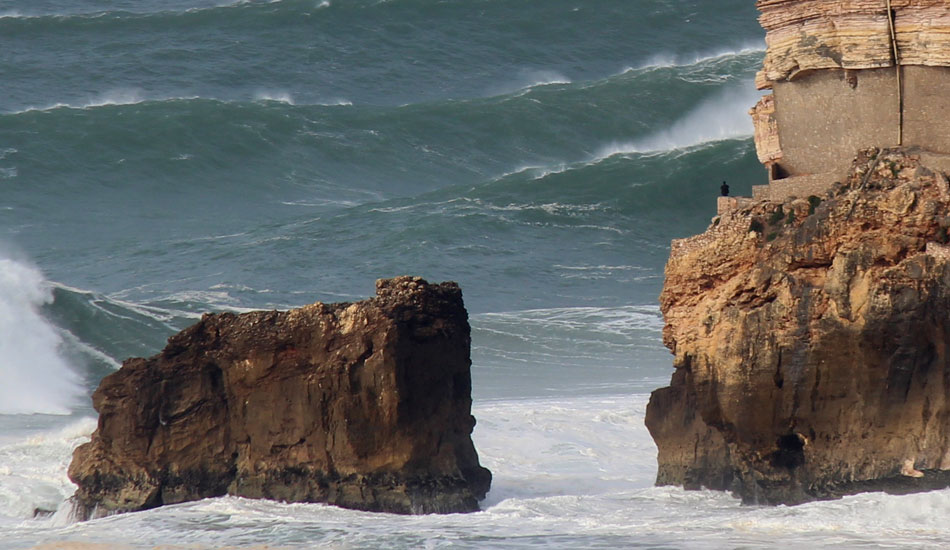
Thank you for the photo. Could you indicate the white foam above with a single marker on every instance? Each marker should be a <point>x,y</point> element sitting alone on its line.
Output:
<point>724,116</point>
<point>529,79</point>
<point>615,320</point>
<point>118,96</point>
<point>666,59</point>
<point>282,97</point>
<point>33,469</point>
<point>35,376</point>
<point>542,448</point>
<point>573,472</point>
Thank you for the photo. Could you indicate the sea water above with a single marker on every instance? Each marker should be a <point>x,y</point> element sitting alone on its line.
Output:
<point>164,158</point>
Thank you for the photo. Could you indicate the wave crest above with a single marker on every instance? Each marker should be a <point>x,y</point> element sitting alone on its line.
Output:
<point>36,378</point>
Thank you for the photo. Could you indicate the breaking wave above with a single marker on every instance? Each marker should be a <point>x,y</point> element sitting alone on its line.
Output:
<point>36,377</point>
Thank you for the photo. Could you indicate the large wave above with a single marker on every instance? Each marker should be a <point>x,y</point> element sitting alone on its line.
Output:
<point>36,377</point>
<point>723,116</point>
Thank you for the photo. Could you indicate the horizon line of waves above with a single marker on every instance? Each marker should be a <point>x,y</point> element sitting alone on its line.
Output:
<point>462,206</point>
<point>131,14</point>
<point>670,61</point>
<point>119,98</point>
<point>529,82</point>
<point>288,99</point>
<point>715,68</point>
<point>609,152</point>
<point>37,378</point>
<point>20,21</point>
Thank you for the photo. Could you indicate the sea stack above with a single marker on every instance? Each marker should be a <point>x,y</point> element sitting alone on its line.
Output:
<point>810,324</point>
<point>362,405</point>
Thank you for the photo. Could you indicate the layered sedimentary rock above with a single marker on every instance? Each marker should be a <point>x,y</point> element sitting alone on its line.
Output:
<point>803,35</point>
<point>767,146</point>
<point>812,341</point>
<point>364,405</point>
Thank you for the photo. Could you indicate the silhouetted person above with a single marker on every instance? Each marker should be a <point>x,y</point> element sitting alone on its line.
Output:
<point>724,189</point>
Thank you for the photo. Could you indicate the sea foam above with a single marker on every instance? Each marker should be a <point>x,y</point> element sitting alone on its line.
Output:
<point>36,378</point>
<point>720,117</point>
<point>663,60</point>
<point>33,469</point>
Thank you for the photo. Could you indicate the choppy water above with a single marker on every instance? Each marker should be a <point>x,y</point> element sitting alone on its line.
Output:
<point>163,158</point>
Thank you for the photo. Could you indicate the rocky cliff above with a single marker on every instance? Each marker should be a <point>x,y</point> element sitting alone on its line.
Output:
<point>364,405</point>
<point>803,35</point>
<point>812,341</point>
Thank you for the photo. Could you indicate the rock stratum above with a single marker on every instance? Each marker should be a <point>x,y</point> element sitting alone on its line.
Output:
<point>812,341</point>
<point>803,35</point>
<point>364,405</point>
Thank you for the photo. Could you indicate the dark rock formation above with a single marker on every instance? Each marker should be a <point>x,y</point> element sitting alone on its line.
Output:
<point>812,341</point>
<point>364,405</point>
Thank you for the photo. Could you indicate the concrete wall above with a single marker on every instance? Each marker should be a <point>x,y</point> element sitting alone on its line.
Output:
<point>926,106</point>
<point>824,117</point>
<point>802,186</point>
<point>728,204</point>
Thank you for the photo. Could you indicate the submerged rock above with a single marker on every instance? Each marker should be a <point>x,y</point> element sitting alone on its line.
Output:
<point>812,341</point>
<point>364,405</point>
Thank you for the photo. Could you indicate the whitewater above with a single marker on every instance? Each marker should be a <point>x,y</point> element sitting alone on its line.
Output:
<point>164,158</point>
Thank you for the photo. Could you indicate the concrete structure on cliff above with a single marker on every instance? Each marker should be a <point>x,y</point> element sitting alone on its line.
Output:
<point>847,75</point>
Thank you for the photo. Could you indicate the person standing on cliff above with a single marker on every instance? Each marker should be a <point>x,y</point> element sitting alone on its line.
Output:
<point>724,189</point>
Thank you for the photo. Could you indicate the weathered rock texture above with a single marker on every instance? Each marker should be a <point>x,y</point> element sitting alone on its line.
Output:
<point>840,84</point>
<point>364,405</point>
<point>812,341</point>
<point>803,35</point>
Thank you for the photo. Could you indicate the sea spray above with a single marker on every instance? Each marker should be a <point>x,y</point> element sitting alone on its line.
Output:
<point>35,377</point>
<point>723,116</point>
<point>33,469</point>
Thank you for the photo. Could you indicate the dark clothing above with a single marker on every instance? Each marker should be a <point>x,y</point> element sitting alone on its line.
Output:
<point>724,189</point>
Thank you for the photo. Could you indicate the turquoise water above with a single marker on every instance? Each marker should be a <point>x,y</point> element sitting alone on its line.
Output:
<point>160,159</point>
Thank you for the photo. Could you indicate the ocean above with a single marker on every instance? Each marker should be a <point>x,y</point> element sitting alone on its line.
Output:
<point>164,158</point>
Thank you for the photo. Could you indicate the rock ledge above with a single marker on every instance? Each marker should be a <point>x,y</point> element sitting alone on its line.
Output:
<point>812,341</point>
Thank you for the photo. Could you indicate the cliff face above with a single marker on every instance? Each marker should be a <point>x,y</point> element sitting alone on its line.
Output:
<point>803,35</point>
<point>812,342</point>
<point>363,405</point>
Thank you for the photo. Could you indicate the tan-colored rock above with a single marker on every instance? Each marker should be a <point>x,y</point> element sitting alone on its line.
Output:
<point>803,35</point>
<point>364,405</point>
<point>812,342</point>
<point>767,145</point>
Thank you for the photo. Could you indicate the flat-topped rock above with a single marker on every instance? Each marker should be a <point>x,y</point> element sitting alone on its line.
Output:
<point>363,405</point>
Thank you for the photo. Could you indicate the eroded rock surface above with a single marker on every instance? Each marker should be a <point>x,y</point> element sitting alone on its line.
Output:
<point>364,405</point>
<point>812,342</point>
<point>804,35</point>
